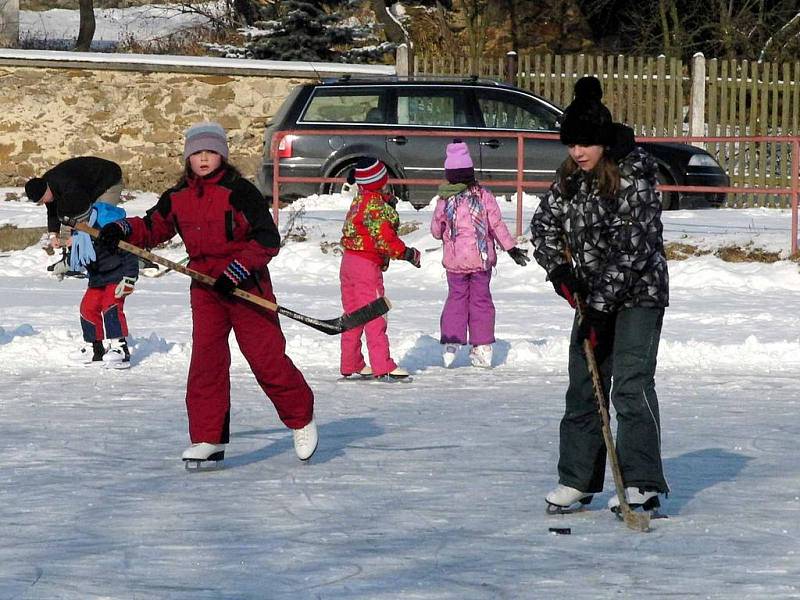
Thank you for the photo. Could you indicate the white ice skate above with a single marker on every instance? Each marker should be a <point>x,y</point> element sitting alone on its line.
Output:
<point>565,500</point>
<point>203,455</point>
<point>646,500</point>
<point>449,355</point>
<point>481,356</point>
<point>305,440</point>
<point>117,356</point>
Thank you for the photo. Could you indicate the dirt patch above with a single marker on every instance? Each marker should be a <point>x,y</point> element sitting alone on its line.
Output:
<point>15,238</point>
<point>739,254</point>
<point>408,227</point>
<point>682,251</point>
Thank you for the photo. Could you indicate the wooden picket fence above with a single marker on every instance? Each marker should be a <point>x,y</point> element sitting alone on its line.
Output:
<point>654,96</point>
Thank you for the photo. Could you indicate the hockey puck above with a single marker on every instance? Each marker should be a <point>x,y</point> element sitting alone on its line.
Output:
<point>560,530</point>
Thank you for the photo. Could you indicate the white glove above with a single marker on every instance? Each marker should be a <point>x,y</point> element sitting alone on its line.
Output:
<point>125,287</point>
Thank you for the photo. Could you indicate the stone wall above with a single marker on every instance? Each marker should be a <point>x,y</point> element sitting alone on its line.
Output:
<point>134,118</point>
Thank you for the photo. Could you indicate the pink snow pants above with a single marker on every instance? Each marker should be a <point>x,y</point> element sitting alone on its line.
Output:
<point>258,333</point>
<point>362,282</point>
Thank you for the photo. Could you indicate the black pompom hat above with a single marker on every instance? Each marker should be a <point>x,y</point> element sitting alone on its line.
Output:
<point>587,121</point>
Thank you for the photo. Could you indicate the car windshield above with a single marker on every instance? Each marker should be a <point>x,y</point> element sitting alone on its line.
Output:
<point>340,106</point>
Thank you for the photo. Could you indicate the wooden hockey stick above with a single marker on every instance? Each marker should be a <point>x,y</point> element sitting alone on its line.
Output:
<point>636,521</point>
<point>358,317</point>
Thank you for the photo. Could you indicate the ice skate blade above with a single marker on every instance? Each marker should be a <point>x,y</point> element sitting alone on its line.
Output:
<point>654,514</point>
<point>215,462</point>
<point>580,506</point>
<point>392,379</point>
<point>354,377</point>
<point>555,509</point>
<point>118,365</point>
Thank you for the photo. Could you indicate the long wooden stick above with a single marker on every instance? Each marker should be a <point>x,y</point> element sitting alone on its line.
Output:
<point>636,521</point>
<point>363,315</point>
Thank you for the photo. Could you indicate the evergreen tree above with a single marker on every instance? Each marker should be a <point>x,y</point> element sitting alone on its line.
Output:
<point>304,31</point>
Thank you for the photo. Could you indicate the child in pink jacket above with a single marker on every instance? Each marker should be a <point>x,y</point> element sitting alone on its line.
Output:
<point>468,221</point>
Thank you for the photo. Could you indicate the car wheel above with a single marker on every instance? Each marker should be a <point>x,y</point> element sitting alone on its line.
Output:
<point>669,200</point>
<point>341,188</point>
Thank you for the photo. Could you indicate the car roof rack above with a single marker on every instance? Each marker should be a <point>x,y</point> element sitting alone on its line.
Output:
<point>430,79</point>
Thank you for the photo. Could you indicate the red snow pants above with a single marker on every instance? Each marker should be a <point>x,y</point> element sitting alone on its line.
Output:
<point>258,333</point>
<point>102,316</point>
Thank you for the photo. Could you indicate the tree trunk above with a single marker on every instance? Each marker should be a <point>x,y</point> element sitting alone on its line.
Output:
<point>665,35</point>
<point>87,25</point>
<point>394,32</point>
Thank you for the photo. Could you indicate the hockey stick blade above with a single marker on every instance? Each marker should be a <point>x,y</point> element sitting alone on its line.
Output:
<point>358,317</point>
<point>363,315</point>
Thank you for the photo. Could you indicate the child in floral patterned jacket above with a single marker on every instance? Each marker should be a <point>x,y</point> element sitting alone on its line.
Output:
<point>370,240</point>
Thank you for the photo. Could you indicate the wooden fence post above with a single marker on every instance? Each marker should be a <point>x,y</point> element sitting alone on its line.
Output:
<point>401,62</point>
<point>511,67</point>
<point>697,108</point>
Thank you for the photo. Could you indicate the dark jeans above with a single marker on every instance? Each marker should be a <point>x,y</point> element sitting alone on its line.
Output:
<point>632,367</point>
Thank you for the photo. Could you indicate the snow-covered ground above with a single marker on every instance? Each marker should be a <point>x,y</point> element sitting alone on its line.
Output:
<point>427,490</point>
<point>114,25</point>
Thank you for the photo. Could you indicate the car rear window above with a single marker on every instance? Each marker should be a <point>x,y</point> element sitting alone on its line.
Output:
<point>510,112</point>
<point>342,106</point>
<point>433,109</point>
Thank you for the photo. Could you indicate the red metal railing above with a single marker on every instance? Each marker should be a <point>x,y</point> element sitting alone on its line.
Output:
<point>521,184</point>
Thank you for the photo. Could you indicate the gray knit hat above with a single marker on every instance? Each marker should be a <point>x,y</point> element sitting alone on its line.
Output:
<point>205,136</point>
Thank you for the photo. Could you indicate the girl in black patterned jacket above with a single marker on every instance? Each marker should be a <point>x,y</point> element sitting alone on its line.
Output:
<point>598,234</point>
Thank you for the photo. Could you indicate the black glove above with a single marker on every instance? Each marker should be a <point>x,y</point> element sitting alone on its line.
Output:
<point>233,275</point>
<point>565,283</point>
<point>113,233</point>
<point>519,256</point>
<point>412,255</point>
<point>598,327</point>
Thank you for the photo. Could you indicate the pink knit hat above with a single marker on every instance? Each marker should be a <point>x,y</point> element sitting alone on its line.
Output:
<point>458,166</point>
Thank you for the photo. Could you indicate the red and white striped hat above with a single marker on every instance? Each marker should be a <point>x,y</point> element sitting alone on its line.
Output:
<point>371,173</point>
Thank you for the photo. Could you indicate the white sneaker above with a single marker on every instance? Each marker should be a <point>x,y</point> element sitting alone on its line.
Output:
<point>366,371</point>
<point>203,451</point>
<point>305,440</point>
<point>636,498</point>
<point>449,355</point>
<point>481,356</point>
<point>563,498</point>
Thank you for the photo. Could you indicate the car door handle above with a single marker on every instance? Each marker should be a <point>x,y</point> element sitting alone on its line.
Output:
<point>491,143</point>
<point>401,139</point>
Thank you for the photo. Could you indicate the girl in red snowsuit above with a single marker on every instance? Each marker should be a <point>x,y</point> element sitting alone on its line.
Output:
<point>229,234</point>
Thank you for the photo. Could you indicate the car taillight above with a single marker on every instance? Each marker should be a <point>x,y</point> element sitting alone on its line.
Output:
<point>285,147</point>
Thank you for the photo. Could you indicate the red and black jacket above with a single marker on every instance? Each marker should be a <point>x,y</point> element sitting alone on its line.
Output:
<point>220,217</point>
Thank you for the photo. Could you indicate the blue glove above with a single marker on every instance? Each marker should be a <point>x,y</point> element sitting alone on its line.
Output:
<point>82,252</point>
